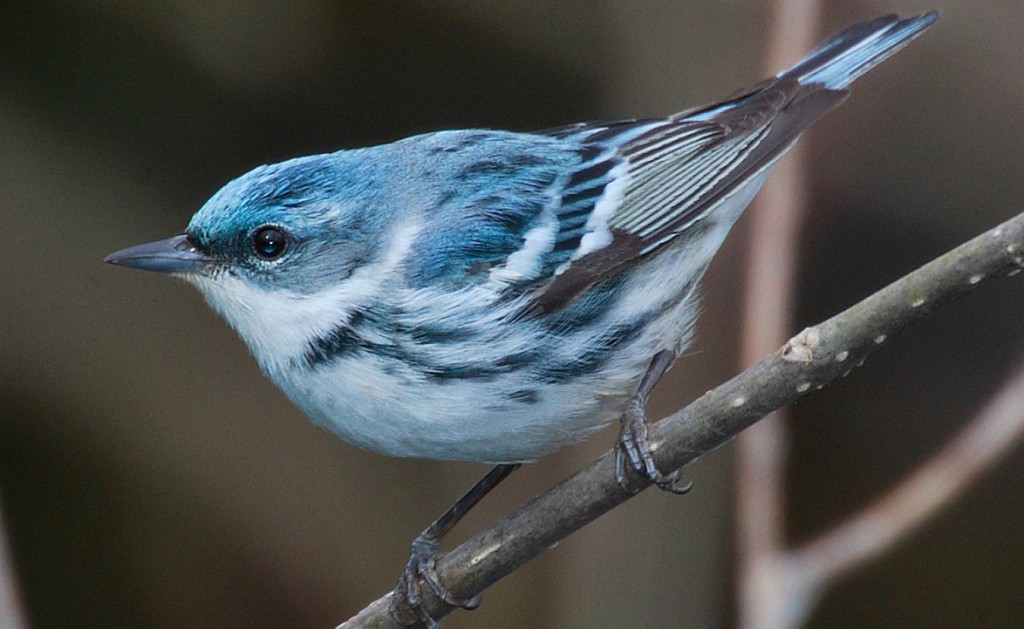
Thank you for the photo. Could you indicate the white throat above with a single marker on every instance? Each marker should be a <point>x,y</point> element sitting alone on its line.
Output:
<point>278,324</point>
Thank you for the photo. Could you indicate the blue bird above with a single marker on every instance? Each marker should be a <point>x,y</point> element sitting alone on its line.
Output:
<point>492,296</point>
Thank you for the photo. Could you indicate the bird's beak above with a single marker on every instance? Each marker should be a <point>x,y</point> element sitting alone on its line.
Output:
<point>173,255</point>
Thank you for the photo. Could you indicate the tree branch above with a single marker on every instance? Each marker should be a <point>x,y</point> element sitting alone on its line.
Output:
<point>809,361</point>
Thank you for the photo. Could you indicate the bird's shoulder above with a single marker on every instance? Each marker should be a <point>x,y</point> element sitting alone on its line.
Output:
<point>505,207</point>
<point>516,210</point>
<point>480,196</point>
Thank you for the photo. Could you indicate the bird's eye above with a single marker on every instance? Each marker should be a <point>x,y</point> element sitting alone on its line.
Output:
<point>269,242</point>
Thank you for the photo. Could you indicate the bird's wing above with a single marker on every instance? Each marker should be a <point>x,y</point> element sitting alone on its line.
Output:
<point>552,213</point>
<point>651,180</point>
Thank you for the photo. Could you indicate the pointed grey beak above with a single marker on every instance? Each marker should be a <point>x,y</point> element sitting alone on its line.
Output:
<point>173,255</point>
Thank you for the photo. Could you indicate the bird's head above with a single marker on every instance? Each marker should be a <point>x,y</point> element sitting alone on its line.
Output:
<point>275,250</point>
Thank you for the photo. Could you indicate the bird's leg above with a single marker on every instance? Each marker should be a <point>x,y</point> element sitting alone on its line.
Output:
<point>632,447</point>
<point>406,604</point>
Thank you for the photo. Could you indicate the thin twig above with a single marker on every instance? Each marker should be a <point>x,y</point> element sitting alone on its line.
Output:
<point>814,358</point>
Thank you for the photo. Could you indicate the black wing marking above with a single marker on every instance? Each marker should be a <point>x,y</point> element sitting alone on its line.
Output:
<point>674,172</point>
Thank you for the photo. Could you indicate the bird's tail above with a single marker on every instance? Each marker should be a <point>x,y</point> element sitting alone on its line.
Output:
<point>853,51</point>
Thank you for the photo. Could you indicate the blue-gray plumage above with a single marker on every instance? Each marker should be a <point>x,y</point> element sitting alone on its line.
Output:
<point>489,295</point>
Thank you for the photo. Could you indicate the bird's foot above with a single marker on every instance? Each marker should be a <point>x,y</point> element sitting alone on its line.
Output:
<point>633,450</point>
<point>407,602</point>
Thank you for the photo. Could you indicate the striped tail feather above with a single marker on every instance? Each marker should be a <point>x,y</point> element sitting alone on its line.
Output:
<point>848,54</point>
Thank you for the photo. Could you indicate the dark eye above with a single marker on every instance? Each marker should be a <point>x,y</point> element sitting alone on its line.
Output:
<point>269,242</point>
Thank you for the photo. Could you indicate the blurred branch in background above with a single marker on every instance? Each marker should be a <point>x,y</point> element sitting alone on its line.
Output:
<point>768,305</point>
<point>779,587</point>
<point>11,615</point>
<point>817,356</point>
<point>989,436</point>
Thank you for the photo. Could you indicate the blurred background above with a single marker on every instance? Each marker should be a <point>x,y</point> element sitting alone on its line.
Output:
<point>150,476</point>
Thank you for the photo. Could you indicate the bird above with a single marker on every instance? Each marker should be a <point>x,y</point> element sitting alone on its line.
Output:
<point>493,296</point>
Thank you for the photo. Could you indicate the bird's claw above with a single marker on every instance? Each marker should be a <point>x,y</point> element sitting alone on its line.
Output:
<point>407,603</point>
<point>634,450</point>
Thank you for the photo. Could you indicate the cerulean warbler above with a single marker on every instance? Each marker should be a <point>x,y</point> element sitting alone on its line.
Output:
<point>489,295</point>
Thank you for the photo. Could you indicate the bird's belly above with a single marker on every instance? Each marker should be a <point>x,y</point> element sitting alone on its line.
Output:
<point>513,395</point>
<point>495,421</point>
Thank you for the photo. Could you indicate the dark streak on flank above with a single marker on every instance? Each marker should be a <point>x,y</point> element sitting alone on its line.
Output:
<point>595,357</point>
<point>524,396</point>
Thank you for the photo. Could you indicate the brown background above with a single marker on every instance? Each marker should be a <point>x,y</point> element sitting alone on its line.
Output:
<point>151,477</point>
